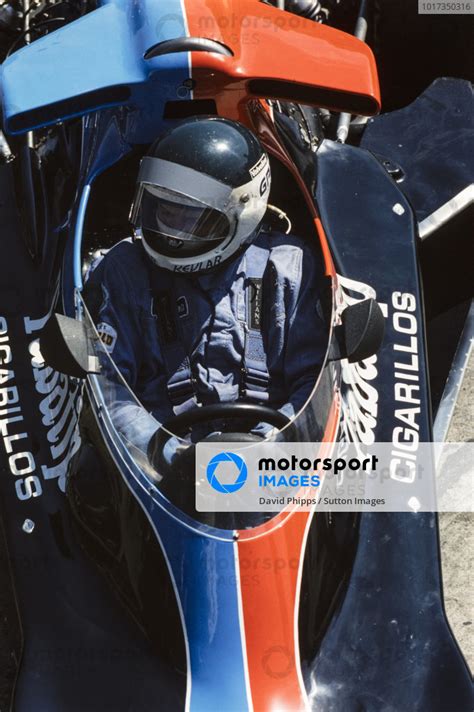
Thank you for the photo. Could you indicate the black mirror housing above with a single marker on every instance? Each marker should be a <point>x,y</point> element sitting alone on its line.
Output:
<point>66,346</point>
<point>362,330</point>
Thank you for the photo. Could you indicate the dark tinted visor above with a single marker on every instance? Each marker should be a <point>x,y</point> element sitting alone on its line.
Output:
<point>189,223</point>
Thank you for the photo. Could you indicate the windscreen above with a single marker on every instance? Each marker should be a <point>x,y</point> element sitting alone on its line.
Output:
<point>165,460</point>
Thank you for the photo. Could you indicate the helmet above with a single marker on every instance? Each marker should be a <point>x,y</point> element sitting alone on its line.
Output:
<point>201,194</point>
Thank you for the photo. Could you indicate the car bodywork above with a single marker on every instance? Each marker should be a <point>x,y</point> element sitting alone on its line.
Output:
<point>303,611</point>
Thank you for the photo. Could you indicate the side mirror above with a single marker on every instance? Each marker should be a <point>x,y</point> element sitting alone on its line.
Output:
<point>362,330</point>
<point>67,346</point>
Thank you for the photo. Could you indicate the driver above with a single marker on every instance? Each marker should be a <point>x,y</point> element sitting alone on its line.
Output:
<point>203,305</point>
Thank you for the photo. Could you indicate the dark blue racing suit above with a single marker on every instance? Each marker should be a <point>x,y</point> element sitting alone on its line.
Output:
<point>252,330</point>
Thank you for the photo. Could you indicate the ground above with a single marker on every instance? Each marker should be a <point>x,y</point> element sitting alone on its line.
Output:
<point>457,536</point>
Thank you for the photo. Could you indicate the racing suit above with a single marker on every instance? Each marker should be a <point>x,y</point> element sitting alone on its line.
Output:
<point>153,320</point>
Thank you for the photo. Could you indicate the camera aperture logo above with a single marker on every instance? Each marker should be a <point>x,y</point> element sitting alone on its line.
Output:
<point>224,458</point>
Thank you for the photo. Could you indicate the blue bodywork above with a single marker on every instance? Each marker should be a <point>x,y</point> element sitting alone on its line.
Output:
<point>51,80</point>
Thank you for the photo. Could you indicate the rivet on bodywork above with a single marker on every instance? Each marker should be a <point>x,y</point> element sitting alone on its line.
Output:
<point>28,526</point>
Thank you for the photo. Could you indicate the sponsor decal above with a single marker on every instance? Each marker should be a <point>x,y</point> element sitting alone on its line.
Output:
<point>259,166</point>
<point>21,461</point>
<point>405,435</point>
<point>255,303</point>
<point>360,396</point>
<point>108,335</point>
<point>59,406</point>
<point>265,183</point>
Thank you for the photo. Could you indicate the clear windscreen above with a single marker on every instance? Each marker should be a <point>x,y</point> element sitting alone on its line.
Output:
<point>166,460</point>
<point>133,423</point>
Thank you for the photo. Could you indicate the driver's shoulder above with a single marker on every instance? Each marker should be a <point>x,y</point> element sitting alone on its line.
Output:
<point>126,251</point>
<point>123,260</point>
<point>286,253</point>
<point>278,242</point>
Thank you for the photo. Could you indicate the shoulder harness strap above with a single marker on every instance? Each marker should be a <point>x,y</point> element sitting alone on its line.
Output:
<point>255,378</point>
<point>180,382</point>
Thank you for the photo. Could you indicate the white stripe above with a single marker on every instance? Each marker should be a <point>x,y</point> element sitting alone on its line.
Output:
<point>242,627</point>
<point>443,214</point>
<point>186,28</point>
<point>297,600</point>
<point>168,564</point>
<point>296,611</point>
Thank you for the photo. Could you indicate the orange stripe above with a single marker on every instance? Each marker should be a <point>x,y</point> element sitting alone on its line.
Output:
<point>277,47</point>
<point>269,44</point>
<point>268,574</point>
<point>263,125</point>
<point>329,264</point>
<point>270,558</point>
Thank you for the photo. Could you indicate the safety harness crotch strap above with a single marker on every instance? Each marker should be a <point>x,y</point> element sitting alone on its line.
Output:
<point>181,385</point>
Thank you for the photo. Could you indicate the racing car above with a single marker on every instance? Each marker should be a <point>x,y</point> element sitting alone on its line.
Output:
<point>128,598</point>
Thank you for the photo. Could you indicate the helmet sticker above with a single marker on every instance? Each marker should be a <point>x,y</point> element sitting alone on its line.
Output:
<point>265,183</point>
<point>259,166</point>
<point>198,266</point>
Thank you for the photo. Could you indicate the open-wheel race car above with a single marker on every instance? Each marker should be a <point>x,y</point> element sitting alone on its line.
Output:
<point>128,598</point>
